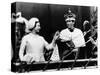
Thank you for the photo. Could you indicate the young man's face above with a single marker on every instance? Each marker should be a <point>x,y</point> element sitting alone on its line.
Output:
<point>70,22</point>
<point>37,28</point>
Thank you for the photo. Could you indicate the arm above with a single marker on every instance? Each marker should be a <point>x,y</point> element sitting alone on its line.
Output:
<point>22,48</point>
<point>53,43</point>
<point>93,41</point>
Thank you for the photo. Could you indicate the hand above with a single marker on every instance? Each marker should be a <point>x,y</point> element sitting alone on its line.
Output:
<point>84,33</point>
<point>91,39</point>
<point>56,36</point>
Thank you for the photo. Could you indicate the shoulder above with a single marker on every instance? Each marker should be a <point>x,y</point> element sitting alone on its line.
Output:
<point>78,30</point>
<point>25,37</point>
<point>41,37</point>
<point>64,30</point>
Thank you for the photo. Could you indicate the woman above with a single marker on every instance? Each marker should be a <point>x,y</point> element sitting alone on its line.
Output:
<point>34,43</point>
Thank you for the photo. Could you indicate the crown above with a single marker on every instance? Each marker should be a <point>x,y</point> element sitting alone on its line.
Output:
<point>69,14</point>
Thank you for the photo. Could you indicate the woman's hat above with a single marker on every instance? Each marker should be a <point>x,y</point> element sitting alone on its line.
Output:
<point>31,23</point>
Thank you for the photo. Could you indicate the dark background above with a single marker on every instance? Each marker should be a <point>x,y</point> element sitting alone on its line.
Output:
<point>51,16</point>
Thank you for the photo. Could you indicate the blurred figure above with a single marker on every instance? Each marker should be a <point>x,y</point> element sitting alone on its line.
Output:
<point>21,19</point>
<point>73,37</point>
<point>87,34</point>
<point>13,25</point>
<point>86,27</point>
<point>90,36</point>
<point>94,39</point>
<point>13,17</point>
<point>33,44</point>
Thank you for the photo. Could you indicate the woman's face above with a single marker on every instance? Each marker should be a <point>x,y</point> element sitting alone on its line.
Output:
<point>70,22</point>
<point>37,28</point>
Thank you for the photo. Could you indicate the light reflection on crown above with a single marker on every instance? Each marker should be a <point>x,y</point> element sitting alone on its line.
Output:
<point>69,14</point>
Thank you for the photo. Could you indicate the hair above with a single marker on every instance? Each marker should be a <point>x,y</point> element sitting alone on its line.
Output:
<point>34,26</point>
<point>69,14</point>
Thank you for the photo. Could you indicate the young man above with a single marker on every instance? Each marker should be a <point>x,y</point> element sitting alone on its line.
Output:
<point>72,34</point>
<point>34,44</point>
